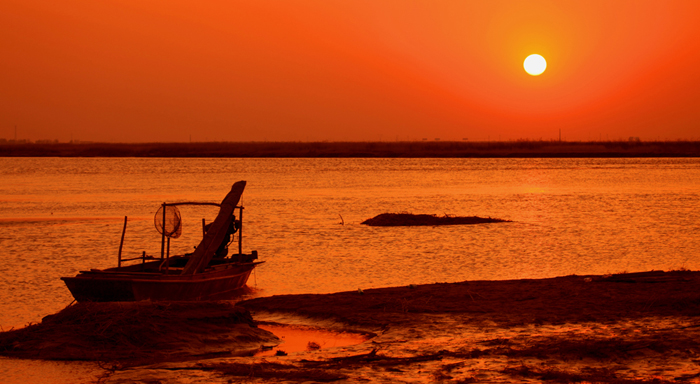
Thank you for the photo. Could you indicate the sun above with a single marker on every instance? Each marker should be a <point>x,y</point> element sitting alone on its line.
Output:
<point>535,64</point>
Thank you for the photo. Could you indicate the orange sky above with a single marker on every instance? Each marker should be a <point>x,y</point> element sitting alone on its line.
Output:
<point>348,70</point>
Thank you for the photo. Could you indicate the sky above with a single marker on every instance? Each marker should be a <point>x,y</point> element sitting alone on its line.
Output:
<point>337,70</point>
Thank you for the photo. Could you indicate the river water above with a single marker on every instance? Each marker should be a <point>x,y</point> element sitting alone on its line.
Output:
<point>569,216</point>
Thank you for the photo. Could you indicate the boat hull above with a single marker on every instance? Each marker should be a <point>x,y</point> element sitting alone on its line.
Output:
<point>115,285</point>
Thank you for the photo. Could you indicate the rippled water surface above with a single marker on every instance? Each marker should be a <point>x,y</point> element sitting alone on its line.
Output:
<point>570,216</point>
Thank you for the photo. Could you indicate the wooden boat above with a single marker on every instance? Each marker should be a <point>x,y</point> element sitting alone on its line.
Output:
<point>202,275</point>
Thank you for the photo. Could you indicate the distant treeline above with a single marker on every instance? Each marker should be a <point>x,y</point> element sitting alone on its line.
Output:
<point>424,149</point>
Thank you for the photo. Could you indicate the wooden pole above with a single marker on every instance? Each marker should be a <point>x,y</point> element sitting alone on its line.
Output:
<point>204,231</point>
<point>121,244</point>
<point>240,232</point>
<point>167,260</point>
<point>162,240</point>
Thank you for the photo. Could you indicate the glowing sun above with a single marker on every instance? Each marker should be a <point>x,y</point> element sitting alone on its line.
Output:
<point>535,64</point>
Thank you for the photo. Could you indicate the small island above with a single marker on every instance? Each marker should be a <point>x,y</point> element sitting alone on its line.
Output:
<point>410,219</point>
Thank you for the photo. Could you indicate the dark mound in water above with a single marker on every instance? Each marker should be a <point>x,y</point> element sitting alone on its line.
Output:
<point>409,219</point>
<point>138,332</point>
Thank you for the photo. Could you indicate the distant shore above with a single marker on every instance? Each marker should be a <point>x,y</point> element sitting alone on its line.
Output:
<point>406,149</point>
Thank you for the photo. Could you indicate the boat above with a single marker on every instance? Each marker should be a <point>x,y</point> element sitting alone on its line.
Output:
<point>208,273</point>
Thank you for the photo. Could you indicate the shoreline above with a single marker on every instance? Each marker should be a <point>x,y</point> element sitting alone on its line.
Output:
<point>630,327</point>
<point>417,149</point>
<point>506,303</point>
<point>622,328</point>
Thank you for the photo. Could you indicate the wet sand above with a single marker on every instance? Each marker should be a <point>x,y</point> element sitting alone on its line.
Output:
<point>640,327</point>
<point>138,333</point>
<point>637,327</point>
<point>570,299</point>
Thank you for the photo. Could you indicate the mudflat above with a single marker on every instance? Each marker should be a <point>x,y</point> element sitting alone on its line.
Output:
<point>137,333</point>
<point>569,299</point>
<point>621,328</point>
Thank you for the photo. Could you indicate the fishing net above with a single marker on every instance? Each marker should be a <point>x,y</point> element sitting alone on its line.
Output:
<point>172,223</point>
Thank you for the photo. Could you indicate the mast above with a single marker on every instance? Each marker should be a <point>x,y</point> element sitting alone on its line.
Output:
<point>217,231</point>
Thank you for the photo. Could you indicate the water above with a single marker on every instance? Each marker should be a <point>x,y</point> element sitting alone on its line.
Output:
<point>297,338</point>
<point>570,216</point>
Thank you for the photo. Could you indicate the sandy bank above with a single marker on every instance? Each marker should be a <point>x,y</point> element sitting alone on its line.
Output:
<point>507,303</point>
<point>138,333</point>
<point>625,328</point>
